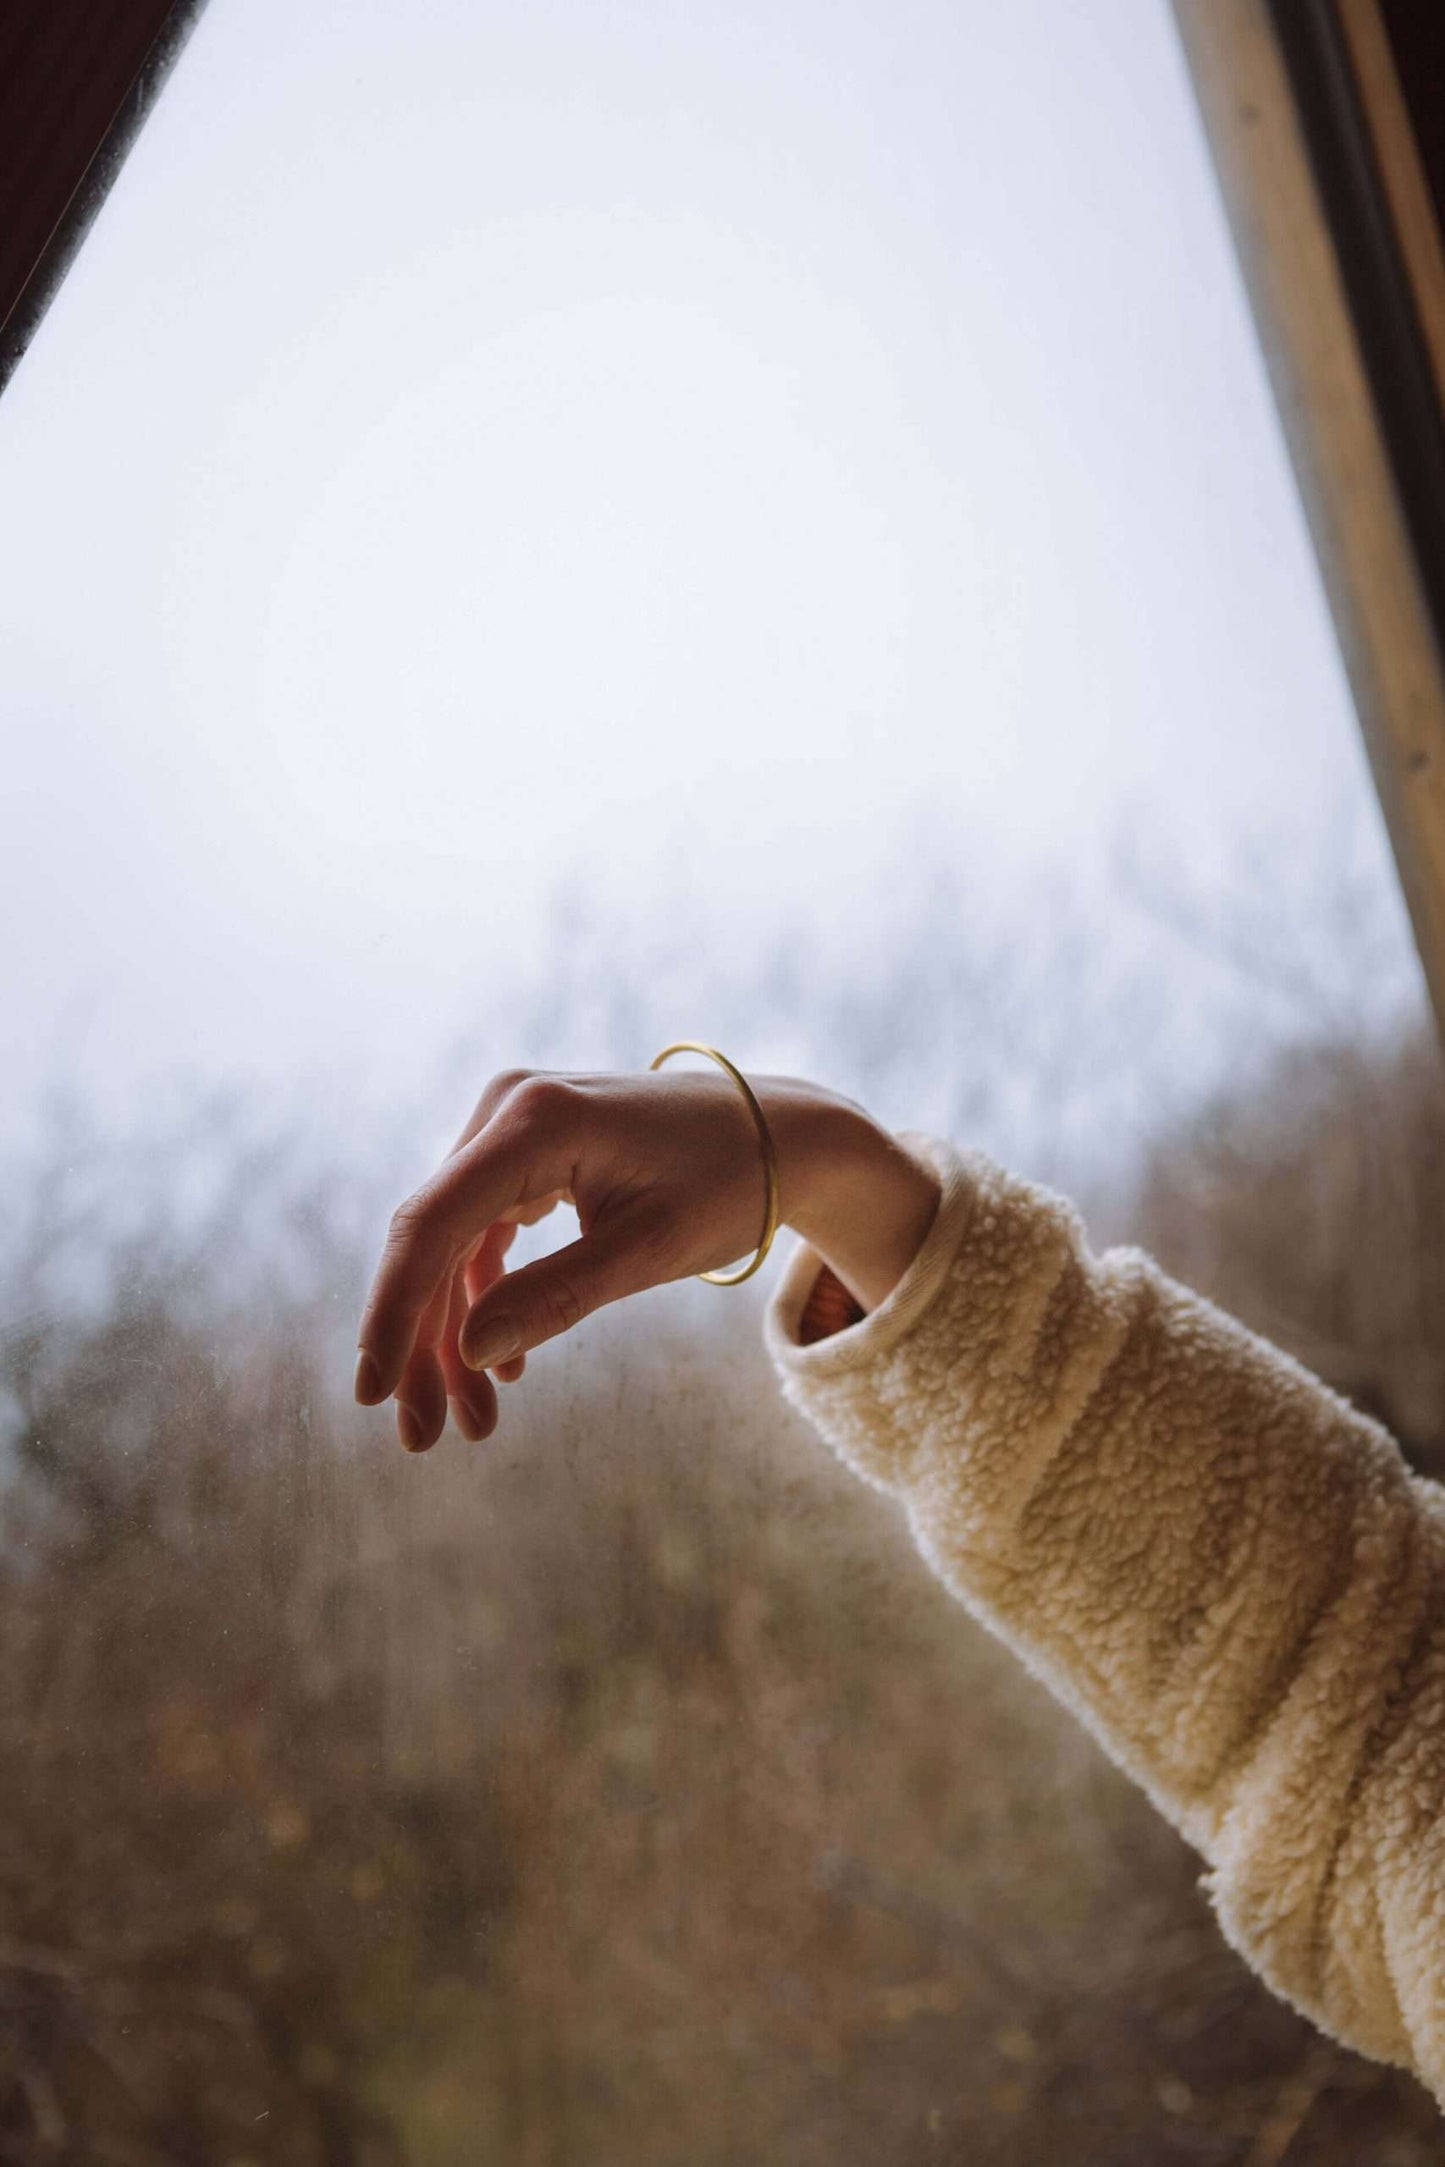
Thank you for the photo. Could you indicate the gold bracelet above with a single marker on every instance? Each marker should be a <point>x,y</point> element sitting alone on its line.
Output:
<point>770,1156</point>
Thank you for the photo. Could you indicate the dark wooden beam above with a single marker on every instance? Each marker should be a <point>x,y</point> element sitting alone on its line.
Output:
<point>77,78</point>
<point>1416,31</point>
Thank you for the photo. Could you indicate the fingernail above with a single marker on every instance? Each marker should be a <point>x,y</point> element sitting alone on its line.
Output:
<point>495,1340</point>
<point>467,1423</point>
<point>408,1429</point>
<point>367,1382</point>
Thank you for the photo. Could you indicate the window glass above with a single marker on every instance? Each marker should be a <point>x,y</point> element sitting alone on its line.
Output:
<point>525,534</point>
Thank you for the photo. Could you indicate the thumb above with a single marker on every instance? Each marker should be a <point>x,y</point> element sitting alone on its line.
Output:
<point>544,1299</point>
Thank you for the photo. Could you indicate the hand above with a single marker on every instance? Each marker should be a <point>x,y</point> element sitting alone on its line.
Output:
<point>666,1175</point>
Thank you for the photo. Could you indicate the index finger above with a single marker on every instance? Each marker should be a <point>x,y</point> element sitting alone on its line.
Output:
<point>515,1159</point>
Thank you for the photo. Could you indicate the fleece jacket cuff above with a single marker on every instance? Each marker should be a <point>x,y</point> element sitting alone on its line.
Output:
<point>860,1344</point>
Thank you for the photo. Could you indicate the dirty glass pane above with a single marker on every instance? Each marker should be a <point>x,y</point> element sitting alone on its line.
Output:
<point>529,533</point>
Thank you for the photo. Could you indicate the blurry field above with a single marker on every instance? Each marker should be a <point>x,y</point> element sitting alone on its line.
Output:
<point>622,1790</point>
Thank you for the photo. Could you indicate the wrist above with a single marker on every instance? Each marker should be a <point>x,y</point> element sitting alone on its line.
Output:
<point>853,1192</point>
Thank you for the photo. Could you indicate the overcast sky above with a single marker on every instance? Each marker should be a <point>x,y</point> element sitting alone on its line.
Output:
<point>696,443</point>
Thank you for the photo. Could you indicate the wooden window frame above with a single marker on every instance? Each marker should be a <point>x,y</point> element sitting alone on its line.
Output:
<point>1337,223</point>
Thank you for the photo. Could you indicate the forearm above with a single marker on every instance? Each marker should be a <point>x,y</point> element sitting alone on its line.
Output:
<point>1226,1572</point>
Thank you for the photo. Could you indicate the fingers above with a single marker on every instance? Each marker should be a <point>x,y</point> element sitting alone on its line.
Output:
<point>555,1293</point>
<point>488,1261</point>
<point>523,1154</point>
<point>421,1401</point>
<point>435,1373</point>
<point>421,1395</point>
<point>472,1394</point>
<point>483,1272</point>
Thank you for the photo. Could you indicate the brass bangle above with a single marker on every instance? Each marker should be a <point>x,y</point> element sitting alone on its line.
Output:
<point>770,1156</point>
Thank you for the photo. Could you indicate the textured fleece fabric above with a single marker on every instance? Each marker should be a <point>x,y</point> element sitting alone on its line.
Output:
<point>1229,1574</point>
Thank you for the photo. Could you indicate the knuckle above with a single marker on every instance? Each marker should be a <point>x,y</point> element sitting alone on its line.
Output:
<point>405,1220</point>
<point>410,1223</point>
<point>541,1101</point>
<point>504,1083</point>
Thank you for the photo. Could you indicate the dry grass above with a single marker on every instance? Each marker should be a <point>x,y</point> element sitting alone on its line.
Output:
<point>624,1790</point>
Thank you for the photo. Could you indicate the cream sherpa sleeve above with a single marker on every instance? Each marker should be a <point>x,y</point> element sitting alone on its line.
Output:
<point>1230,1575</point>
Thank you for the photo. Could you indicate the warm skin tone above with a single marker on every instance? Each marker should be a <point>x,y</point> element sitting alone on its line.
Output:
<point>666,1175</point>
